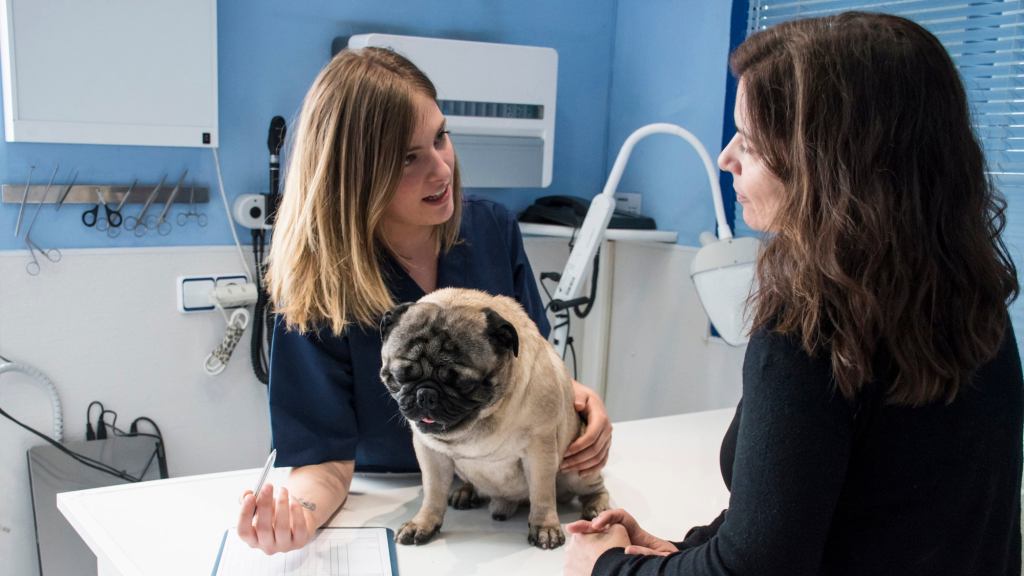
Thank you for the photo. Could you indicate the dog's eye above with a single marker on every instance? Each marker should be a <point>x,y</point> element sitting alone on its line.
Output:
<point>409,372</point>
<point>445,375</point>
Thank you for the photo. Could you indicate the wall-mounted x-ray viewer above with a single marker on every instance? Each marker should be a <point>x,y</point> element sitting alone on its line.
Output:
<point>499,100</point>
<point>110,72</point>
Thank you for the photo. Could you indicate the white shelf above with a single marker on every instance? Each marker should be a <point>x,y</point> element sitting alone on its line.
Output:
<point>530,229</point>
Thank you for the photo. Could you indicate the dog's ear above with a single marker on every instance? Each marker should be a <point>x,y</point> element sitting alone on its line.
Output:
<point>501,333</point>
<point>390,318</point>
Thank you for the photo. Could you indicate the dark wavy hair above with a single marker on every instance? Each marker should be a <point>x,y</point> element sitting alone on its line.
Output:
<point>887,237</point>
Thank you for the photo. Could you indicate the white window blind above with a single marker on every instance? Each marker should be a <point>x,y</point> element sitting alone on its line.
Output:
<point>986,40</point>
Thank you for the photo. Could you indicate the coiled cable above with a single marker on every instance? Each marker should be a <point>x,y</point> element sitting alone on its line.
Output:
<point>6,366</point>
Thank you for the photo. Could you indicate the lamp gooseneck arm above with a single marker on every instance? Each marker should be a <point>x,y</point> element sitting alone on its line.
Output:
<point>724,232</point>
<point>601,207</point>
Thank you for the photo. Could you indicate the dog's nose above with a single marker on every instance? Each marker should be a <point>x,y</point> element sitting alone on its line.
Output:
<point>426,398</point>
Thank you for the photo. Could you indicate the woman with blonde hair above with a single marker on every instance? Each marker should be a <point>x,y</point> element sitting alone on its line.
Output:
<point>372,215</point>
<point>880,427</point>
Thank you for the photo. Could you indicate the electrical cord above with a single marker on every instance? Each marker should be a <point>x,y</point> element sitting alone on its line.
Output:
<point>58,425</point>
<point>84,460</point>
<point>217,360</point>
<point>561,314</point>
<point>8,366</point>
<point>227,212</point>
<point>263,326</point>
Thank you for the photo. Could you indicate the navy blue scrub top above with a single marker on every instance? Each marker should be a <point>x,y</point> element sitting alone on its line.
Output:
<point>326,398</point>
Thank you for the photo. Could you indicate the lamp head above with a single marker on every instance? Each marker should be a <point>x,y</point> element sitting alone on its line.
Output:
<point>723,273</point>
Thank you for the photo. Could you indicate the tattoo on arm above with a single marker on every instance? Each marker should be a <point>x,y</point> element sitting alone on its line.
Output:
<point>311,506</point>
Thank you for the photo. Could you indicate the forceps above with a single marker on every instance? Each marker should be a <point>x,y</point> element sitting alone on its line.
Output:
<point>64,195</point>
<point>163,227</point>
<point>192,212</point>
<point>139,224</point>
<point>51,254</point>
<point>111,217</point>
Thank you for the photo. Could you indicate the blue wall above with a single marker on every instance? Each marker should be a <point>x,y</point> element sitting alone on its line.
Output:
<point>270,51</point>
<point>622,63</point>
<point>670,66</point>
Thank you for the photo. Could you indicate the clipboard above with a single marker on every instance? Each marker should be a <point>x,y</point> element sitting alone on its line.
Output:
<point>334,551</point>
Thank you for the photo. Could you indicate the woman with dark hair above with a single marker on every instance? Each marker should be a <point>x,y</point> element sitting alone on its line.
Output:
<point>880,426</point>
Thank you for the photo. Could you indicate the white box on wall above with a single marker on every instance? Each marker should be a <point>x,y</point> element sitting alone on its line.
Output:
<point>499,101</point>
<point>111,72</point>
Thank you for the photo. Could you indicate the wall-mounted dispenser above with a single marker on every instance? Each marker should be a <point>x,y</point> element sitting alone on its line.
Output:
<point>499,100</point>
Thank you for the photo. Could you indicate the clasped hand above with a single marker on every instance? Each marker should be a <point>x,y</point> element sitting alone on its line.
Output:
<point>611,529</point>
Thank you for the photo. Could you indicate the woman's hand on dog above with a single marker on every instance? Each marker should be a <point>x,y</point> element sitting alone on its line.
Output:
<point>589,453</point>
<point>273,524</point>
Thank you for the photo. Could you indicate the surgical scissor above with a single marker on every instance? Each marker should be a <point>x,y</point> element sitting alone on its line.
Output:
<point>115,230</point>
<point>111,217</point>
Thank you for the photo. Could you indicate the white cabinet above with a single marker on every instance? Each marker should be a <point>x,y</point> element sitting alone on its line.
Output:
<point>136,72</point>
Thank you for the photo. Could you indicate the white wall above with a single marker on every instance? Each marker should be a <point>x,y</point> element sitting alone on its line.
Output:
<point>103,325</point>
<point>661,359</point>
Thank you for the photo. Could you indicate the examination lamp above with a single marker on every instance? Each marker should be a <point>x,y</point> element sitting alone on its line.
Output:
<point>722,271</point>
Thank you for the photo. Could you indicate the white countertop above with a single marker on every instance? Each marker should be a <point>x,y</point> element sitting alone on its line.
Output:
<point>665,471</point>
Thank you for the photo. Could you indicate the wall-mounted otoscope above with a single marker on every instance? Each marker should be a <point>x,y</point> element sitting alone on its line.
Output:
<point>258,211</point>
<point>275,140</point>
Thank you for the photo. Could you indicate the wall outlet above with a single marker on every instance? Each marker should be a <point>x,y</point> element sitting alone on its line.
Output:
<point>629,202</point>
<point>234,292</point>
<point>197,293</point>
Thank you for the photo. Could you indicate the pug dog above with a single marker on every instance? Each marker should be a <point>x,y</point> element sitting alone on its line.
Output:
<point>488,399</point>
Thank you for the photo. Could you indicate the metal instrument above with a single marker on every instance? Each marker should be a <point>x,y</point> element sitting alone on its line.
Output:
<point>200,217</point>
<point>111,218</point>
<point>64,195</point>
<point>115,229</point>
<point>163,227</point>
<point>51,254</point>
<point>139,224</point>
<point>24,197</point>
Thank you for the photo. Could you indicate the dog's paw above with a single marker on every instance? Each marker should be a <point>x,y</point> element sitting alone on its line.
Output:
<point>546,537</point>
<point>413,533</point>
<point>464,497</point>
<point>593,504</point>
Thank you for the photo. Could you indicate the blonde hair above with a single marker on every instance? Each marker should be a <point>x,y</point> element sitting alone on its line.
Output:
<point>355,126</point>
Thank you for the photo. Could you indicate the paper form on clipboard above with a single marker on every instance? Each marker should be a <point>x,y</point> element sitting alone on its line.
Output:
<point>332,552</point>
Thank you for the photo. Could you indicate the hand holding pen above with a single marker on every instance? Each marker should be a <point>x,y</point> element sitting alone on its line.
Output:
<point>272,524</point>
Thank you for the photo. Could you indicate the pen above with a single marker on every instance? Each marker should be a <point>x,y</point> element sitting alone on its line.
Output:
<point>266,470</point>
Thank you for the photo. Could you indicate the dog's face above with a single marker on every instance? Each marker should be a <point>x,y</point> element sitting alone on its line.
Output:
<point>441,364</point>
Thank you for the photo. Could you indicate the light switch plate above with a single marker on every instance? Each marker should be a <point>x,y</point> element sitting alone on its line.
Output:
<point>194,293</point>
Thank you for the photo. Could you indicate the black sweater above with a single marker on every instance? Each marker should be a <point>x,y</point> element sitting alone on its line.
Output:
<point>823,486</point>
